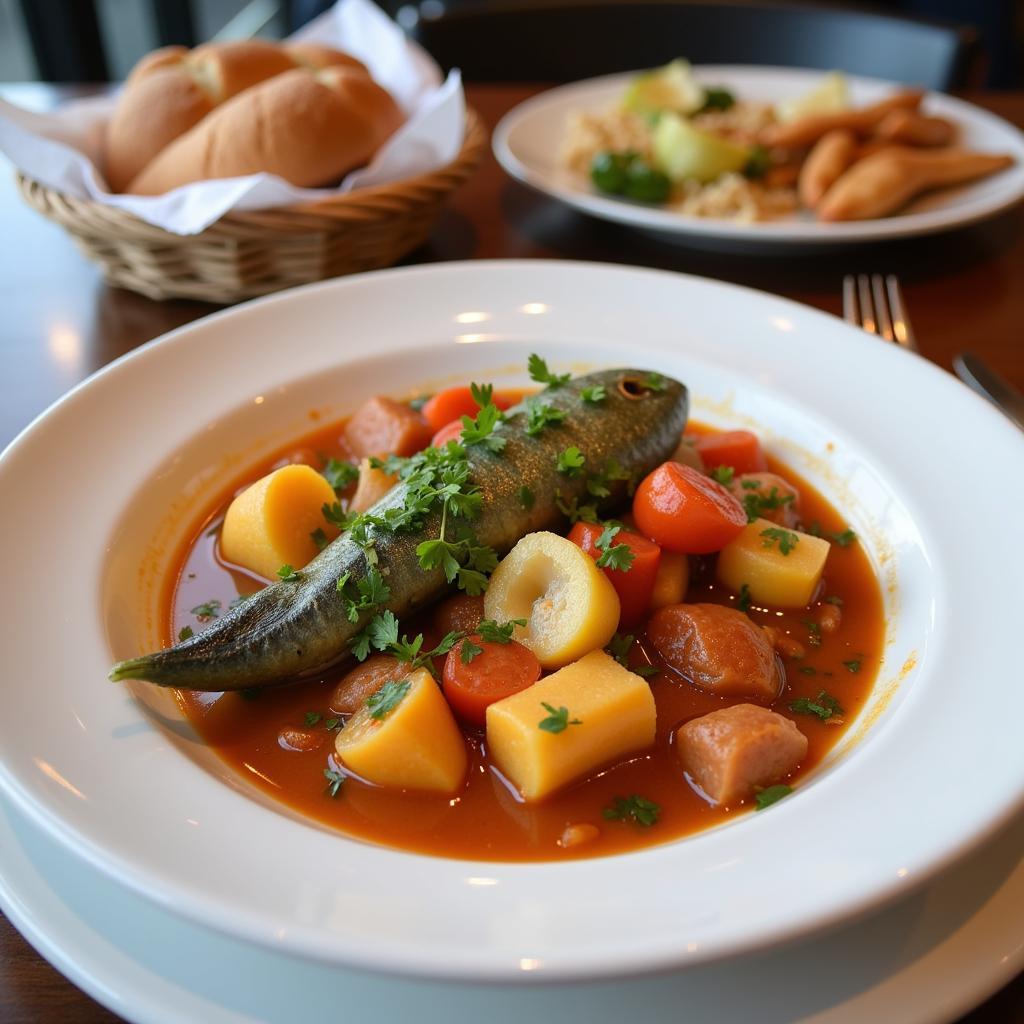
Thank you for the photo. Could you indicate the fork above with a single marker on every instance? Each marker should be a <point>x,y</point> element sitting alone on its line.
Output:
<point>875,303</point>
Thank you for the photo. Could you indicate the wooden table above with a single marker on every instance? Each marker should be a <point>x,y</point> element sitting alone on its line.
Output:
<point>60,322</point>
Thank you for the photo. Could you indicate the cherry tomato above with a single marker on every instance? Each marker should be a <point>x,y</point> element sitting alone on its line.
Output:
<point>685,511</point>
<point>634,585</point>
<point>498,671</point>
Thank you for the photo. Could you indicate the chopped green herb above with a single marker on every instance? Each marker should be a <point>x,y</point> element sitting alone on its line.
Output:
<point>619,647</point>
<point>758,162</point>
<point>654,381</point>
<point>239,599</point>
<point>618,556</point>
<point>207,610</point>
<point>832,599</point>
<point>542,375</point>
<point>750,485</point>
<point>557,719</point>
<point>594,395</point>
<point>724,475</point>
<point>387,698</point>
<point>645,671</point>
<point>570,462</point>
<point>468,651</point>
<point>319,538</point>
<point>813,632</point>
<point>333,723</point>
<point>335,780</point>
<point>853,665</point>
<point>185,633</point>
<point>637,809</point>
<point>337,516</point>
<point>786,539</point>
<point>481,429</point>
<point>312,717</point>
<point>362,595</point>
<point>482,394</point>
<point>767,797</point>
<point>418,402</point>
<point>756,504</point>
<point>576,512</point>
<point>526,497</point>
<point>844,538</point>
<point>824,706</point>
<point>288,575</point>
<point>599,484</point>
<point>717,98</point>
<point>498,632</point>
<point>340,474</point>
<point>540,415</point>
<point>743,601</point>
<point>808,670</point>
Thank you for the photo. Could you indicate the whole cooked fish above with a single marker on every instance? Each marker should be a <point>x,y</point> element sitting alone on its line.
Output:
<point>298,629</point>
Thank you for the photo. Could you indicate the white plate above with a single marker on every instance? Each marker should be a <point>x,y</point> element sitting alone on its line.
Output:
<point>97,492</point>
<point>529,138</point>
<point>925,960</point>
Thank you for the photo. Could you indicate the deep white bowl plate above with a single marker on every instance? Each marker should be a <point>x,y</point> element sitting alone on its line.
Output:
<point>98,492</point>
<point>529,139</point>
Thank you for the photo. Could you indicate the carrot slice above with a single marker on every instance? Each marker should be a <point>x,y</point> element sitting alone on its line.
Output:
<point>634,585</point>
<point>494,673</point>
<point>449,432</point>
<point>454,403</point>
<point>739,449</point>
<point>685,511</point>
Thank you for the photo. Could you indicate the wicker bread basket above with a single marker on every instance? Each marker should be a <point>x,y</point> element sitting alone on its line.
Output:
<point>247,254</point>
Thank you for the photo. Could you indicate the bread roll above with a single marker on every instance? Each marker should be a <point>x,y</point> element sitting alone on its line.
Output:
<point>172,89</point>
<point>308,127</point>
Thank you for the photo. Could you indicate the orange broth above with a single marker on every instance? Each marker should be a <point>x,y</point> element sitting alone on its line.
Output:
<point>487,819</point>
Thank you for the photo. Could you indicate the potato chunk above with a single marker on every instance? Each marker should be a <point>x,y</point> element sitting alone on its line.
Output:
<point>569,604</point>
<point>414,744</point>
<point>781,567</point>
<point>373,485</point>
<point>718,649</point>
<point>671,581</point>
<point>270,523</point>
<point>733,752</point>
<point>614,714</point>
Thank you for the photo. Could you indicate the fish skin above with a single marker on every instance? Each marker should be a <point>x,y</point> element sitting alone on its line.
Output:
<point>294,630</point>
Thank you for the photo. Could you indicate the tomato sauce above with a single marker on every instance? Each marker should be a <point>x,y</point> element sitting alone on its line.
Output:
<point>487,819</point>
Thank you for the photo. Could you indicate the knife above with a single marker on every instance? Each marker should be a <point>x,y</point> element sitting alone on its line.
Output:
<point>979,376</point>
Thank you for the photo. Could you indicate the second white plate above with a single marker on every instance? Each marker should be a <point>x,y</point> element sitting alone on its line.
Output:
<point>529,139</point>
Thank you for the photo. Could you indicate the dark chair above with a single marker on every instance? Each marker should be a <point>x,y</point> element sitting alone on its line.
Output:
<point>564,40</point>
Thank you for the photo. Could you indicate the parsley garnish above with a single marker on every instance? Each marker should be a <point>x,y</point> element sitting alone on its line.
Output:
<point>594,395</point>
<point>526,497</point>
<point>498,632</point>
<point>743,601</point>
<point>570,462</point>
<point>576,512</point>
<point>540,415</point>
<point>844,538</point>
<point>542,375</point>
<point>381,634</point>
<point>312,717</point>
<point>634,808</point>
<point>813,632</point>
<point>207,610</point>
<point>335,780</point>
<point>756,504</point>
<point>808,670</point>
<point>362,595</point>
<point>333,723</point>
<point>337,516</point>
<point>853,665</point>
<point>618,647</point>
<point>557,719</point>
<point>287,574</point>
<point>618,556</point>
<point>786,539</point>
<point>724,475</point>
<point>824,706</point>
<point>340,474</point>
<point>598,484</point>
<point>387,698</point>
<point>833,599</point>
<point>482,394</point>
<point>771,795</point>
<point>185,634</point>
<point>654,381</point>
<point>468,651</point>
<point>319,538</point>
<point>481,429</point>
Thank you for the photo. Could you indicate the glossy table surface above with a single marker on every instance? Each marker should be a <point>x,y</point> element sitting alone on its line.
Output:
<point>60,322</point>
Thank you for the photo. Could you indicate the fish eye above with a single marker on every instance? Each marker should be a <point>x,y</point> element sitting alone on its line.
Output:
<point>633,388</point>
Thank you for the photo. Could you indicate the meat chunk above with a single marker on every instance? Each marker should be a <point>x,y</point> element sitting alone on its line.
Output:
<point>718,649</point>
<point>734,752</point>
<point>381,426</point>
<point>364,681</point>
<point>768,496</point>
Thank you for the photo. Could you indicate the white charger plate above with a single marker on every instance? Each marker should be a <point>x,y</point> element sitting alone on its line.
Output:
<point>529,138</point>
<point>933,766</point>
<point>926,960</point>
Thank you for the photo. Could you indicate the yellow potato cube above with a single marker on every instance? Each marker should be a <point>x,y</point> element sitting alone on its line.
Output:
<point>671,581</point>
<point>270,523</point>
<point>608,712</point>
<point>405,737</point>
<point>780,567</point>
<point>569,604</point>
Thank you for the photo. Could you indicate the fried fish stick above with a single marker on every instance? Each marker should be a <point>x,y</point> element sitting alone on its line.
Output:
<point>831,155</point>
<point>807,130</point>
<point>885,181</point>
<point>913,128</point>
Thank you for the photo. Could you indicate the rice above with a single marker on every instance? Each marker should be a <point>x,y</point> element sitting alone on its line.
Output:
<point>730,197</point>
